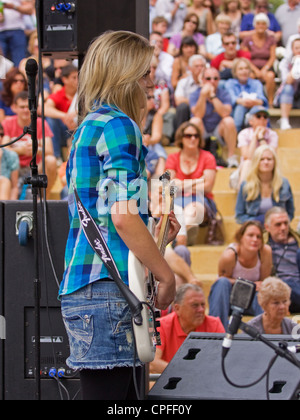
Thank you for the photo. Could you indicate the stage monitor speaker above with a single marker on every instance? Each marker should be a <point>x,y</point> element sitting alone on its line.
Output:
<point>195,372</point>
<point>68,27</point>
<point>18,305</point>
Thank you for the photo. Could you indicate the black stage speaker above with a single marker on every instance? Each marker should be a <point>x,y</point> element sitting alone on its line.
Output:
<point>68,27</point>
<point>195,371</point>
<point>18,302</point>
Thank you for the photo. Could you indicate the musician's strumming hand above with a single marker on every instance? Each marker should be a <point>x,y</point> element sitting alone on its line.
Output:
<point>174,227</point>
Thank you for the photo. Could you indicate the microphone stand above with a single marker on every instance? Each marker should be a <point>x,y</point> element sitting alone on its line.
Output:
<point>36,181</point>
<point>281,350</point>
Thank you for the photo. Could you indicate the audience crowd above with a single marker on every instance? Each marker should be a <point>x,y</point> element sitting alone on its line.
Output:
<point>219,67</point>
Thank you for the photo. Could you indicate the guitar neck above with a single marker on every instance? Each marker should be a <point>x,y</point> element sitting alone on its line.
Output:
<point>168,194</point>
<point>163,234</point>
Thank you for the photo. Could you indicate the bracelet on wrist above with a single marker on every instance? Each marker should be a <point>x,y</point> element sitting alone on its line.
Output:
<point>213,97</point>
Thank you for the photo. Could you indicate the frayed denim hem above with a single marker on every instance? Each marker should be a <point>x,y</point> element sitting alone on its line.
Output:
<point>105,365</point>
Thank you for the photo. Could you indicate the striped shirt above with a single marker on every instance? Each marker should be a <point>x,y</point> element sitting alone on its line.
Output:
<point>107,165</point>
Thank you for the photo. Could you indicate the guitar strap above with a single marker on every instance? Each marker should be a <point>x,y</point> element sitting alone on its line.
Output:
<point>97,242</point>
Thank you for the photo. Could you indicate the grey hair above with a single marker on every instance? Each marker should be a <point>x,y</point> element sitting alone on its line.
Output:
<point>272,288</point>
<point>182,290</point>
<point>196,57</point>
<point>261,17</point>
<point>274,210</point>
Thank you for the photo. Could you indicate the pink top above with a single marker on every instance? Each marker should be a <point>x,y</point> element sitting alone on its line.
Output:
<point>245,136</point>
<point>259,56</point>
<point>251,274</point>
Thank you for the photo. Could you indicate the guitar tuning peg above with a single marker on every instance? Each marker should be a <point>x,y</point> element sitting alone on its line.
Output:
<point>166,176</point>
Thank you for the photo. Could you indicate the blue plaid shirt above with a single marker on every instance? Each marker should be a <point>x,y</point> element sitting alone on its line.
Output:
<point>106,164</point>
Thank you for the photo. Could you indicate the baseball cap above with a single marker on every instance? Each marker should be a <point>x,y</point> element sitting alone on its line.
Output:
<point>258,108</point>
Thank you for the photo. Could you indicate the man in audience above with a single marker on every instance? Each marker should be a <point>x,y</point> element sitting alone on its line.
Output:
<point>285,251</point>
<point>60,110</point>
<point>160,24</point>
<point>188,316</point>
<point>287,15</point>
<point>211,107</point>
<point>174,11</point>
<point>223,62</point>
<point>13,40</point>
<point>185,87</point>
<point>13,128</point>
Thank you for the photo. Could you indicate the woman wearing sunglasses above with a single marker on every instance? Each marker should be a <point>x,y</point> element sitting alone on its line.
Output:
<point>251,137</point>
<point>194,171</point>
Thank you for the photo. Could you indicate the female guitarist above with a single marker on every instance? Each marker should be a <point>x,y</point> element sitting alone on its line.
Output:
<point>107,167</point>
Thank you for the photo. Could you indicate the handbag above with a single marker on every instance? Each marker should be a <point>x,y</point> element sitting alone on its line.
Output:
<point>215,226</point>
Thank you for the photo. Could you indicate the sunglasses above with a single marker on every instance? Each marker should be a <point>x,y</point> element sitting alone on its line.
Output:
<point>18,80</point>
<point>150,97</point>
<point>211,78</point>
<point>189,136</point>
<point>262,116</point>
<point>192,21</point>
<point>230,43</point>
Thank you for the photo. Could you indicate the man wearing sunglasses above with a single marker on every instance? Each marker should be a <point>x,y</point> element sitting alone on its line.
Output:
<point>223,62</point>
<point>211,107</point>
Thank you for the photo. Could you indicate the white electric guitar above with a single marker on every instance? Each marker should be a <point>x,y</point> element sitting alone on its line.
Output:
<point>144,285</point>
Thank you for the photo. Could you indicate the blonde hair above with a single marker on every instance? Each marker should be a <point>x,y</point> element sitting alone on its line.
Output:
<point>252,186</point>
<point>113,66</point>
<point>272,288</point>
<point>236,63</point>
<point>223,18</point>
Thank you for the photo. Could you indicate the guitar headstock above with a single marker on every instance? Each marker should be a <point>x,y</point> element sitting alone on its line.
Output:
<point>168,192</point>
<point>166,176</point>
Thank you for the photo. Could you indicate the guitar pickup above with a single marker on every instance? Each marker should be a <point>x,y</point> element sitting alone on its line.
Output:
<point>158,340</point>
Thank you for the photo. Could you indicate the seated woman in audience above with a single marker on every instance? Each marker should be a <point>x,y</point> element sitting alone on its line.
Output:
<point>180,68</point>
<point>232,8</point>
<point>274,297</point>
<point>194,171</point>
<point>245,92</point>
<point>263,188</point>
<point>206,19</point>
<point>287,95</point>
<point>262,47</point>
<point>189,30</point>
<point>249,258</point>
<point>254,136</point>
<point>260,6</point>
<point>14,82</point>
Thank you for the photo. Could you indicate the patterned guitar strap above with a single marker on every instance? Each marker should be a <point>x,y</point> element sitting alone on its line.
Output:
<point>97,242</point>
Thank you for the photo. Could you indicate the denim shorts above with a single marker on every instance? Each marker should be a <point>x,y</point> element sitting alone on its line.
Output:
<point>98,323</point>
